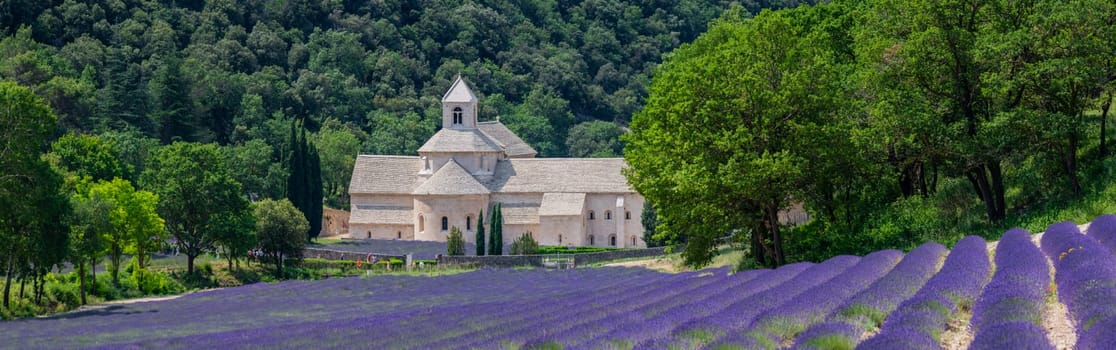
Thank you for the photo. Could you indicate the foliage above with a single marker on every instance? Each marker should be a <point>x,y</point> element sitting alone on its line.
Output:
<point>455,243</point>
<point>595,139</point>
<point>525,245</point>
<point>136,227</point>
<point>195,191</point>
<point>649,221</point>
<point>304,182</point>
<point>88,156</point>
<point>235,233</point>
<point>480,242</point>
<point>496,236</point>
<point>281,229</point>
<point>731,120</point>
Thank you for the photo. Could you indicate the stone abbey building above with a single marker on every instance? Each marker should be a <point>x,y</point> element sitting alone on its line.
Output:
<point>469,166</point>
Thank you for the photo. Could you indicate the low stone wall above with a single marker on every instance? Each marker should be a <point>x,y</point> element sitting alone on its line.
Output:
<point>328,254</point>
<point>537,260</point>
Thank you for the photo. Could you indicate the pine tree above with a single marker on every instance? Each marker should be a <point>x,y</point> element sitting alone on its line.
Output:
<point>480,233</point>
<point>304,184</point>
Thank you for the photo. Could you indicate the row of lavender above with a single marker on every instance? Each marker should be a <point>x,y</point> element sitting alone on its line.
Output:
<point>1085,274</point>
<point>811,306</point>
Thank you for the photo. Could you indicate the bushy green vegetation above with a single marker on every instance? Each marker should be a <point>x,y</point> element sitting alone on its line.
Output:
<point>525,244</point>
<point>892,121</point>
<point>572,250</point>
<point>455,243</point>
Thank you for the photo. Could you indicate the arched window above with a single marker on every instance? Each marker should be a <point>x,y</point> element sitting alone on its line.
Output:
<point>592,216</point>
<point>612,240</point>
<point>369,234</point>
<point>468,223</point>
<point>591,240</point>
<point>627,215</point>
<point>457,115</point>
<point>608,215</point>
<point>633,241</point>
<point>559,239</point>
<point>445,223</point>
<point>422,224</point>
<point>399,234</point>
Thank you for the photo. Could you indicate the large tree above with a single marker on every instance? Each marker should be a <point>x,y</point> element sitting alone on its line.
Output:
<point>25,180</point>
<point>195,192</point>
<point>722,144</point>
<point>281,229</point>
<point>91,222</point>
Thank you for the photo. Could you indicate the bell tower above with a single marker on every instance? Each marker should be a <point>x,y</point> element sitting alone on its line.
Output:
<point>459,106</point>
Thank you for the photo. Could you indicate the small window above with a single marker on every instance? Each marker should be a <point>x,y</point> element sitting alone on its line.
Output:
<point>633,241</point>
<point>369,234</point>
<point>457,115</point>
<point>559,239</point>
<point>445,223</point>
<point>612,240</point>
<point>468,223</point>
<point>592,216</point>
<point>591,240</point>
<point>422,224</point>
<point>399,234</point>
<point>608,215</point>
<point>627,215</point>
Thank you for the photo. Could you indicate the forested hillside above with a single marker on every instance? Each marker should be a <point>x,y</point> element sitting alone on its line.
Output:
<point>363,76</point>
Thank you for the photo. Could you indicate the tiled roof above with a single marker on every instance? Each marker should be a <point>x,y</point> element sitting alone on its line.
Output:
<point>459,92</point>
<point>562,204</point>
<point>451,179</point>
<point>519,214</point>
<point>557,175</point>
<point>460,140</point>
<point>384,174</point>
<point>382,215</point>
<point>514,146</point>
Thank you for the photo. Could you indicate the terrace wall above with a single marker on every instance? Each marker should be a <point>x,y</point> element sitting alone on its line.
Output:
<point>328,254</point>
<point>537,260</point>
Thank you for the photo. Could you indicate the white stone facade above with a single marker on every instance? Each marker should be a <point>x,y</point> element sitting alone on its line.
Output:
<point>469,166</point>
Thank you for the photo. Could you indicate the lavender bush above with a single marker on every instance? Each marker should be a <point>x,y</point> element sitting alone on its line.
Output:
<point>1086,279</point>
<point>1010,308</point>
<point>919,321</point>
<point>1103,229</point>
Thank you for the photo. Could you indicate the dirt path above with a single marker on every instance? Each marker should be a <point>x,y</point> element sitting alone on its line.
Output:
<point>659,264</point>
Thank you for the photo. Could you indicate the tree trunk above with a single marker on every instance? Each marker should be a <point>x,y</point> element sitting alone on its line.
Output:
<point>1104,124</point>
<point>23,286</point>
<point>93,272</point>
<point>757,247</point>
<point>8,281</point>
<point>81,281</point>
<point>279,265</point>
<point>117,251</point>
<point>1071,164</point>
<point>190,264</point>
<point>776,235</point>
<point>997,174</point>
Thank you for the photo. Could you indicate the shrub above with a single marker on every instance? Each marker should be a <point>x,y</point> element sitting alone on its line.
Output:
<point>525,245</point>
<point>455,244</point>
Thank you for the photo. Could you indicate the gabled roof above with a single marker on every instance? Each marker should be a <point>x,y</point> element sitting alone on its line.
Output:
<point>460,140</point>
<point>562,204</point>
<point>459,92</point>
<point>451,179</point>
<point>382,216</point>
<point>513,146</point>
<point>384,174</point>
<point>524,214</point>
<point>558,175</point>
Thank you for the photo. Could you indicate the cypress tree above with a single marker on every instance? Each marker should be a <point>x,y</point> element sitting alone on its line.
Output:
<point>480,233</point>
<point>497,243</point>
<point>314,200</point>
<point>492,230</point>
<point>295,178</point>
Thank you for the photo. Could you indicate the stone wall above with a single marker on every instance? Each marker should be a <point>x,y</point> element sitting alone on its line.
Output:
<point>318,253</point>
<point>537,260</point>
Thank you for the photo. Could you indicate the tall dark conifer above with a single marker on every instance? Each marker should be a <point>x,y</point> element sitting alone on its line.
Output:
<point>480,234</point>
<point>496,243</point>
<point>314,200</point>
<point>304,184</point>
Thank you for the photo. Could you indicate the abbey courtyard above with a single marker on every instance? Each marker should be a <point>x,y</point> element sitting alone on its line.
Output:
<point>469,166</point>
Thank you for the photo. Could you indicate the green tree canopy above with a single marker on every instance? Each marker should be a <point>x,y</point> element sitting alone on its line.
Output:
<point>281,229</point>
<point>195,191</point>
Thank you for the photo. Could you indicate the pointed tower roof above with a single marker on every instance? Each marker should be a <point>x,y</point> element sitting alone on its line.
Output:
<point>451,179</point>
<point>459,92</point>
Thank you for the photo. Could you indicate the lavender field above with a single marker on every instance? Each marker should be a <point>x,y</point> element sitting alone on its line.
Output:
<point>885,300</point>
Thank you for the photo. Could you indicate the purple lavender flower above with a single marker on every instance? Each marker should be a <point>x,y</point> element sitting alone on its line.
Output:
<point>1015,295</point>
<point>1011,335</point>
<point>827,335</point>
<point>1085,276</point>
<point>1103,229</point>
